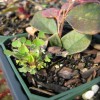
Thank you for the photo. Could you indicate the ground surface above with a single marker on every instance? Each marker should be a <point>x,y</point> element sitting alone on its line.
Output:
<point>4,89</point>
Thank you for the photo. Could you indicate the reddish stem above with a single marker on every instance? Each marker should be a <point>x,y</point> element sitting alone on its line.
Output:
<point>64,13</point>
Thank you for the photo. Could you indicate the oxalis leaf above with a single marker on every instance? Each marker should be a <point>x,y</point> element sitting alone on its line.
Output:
<point>23,49</point>
<point>8,52</point>
<point>24,69</point>
<point>85,18</point>
<point>75,42</point>
<point>28,43</point>
<point>16,43</point>
<point>44,24</point>
<point>38,42</point>
<point>22,39</point>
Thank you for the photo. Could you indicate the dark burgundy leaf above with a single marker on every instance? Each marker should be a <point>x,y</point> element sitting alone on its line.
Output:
<point>21,10</point>
<point>67,6</point>
<point>86,1</point>
<point>51,12</point>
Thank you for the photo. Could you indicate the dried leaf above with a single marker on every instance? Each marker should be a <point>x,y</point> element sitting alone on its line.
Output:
<point>94,51</point>
<point>54,49</point>
<point>31,30</point>
<point>97,59</point>
<point>96,46</point>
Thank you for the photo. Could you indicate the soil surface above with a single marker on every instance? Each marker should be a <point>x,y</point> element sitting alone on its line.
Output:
<point>63,74</point>
<point>15,20</point>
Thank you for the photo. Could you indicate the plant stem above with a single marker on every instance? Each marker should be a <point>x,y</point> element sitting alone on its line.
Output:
<point>64,13</point>
<point>61,25</point>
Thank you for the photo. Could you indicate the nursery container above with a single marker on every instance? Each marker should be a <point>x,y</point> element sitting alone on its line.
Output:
<point>78,91</point>
<point>67,95</point>
<point>15,87</point>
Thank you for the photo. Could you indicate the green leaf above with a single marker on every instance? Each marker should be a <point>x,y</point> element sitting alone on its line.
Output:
<point>16,43</point>
<point>44,24</point>
<point>38,42</point>
<point>85,18</point>
<point>28,43</point>
<point>22,39</point>
<point>40,65</point>
<point>24,69</point>
<point>32,71</point>
<point>55,40</point>
<point>19,55</point>
<point>17,61</point>
<point>47,59</point>
<point>23,49</point>
<point>36,53</point>
<point>30,58</point>
<point>75,42</point>
<point>8,52</point>
<point>41,34</point>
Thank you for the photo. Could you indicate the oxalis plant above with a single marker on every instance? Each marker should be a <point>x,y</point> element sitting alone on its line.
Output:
<point>82,15</point>
<point>30,55</point>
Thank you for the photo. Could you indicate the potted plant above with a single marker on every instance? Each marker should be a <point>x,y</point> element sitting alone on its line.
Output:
<point>66,67</point>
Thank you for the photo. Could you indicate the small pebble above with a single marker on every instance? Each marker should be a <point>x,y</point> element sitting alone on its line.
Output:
<point>88,95</point>
<point>84,70</point>
<point>61,65</point>
<point>95,88</point>
<point>56,66</point>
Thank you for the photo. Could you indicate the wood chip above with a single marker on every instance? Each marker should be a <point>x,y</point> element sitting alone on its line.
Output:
<point>65,72</point>
<point>94,51</point>
<point>90,78</point>
<point>54,49</point>
<point>89,72</point>
<point>43,91</point>
<point>77,56</point>
<point>97,59</point>
<point>94,74</point>
<point>96,46</point>
<point>70,82</point>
